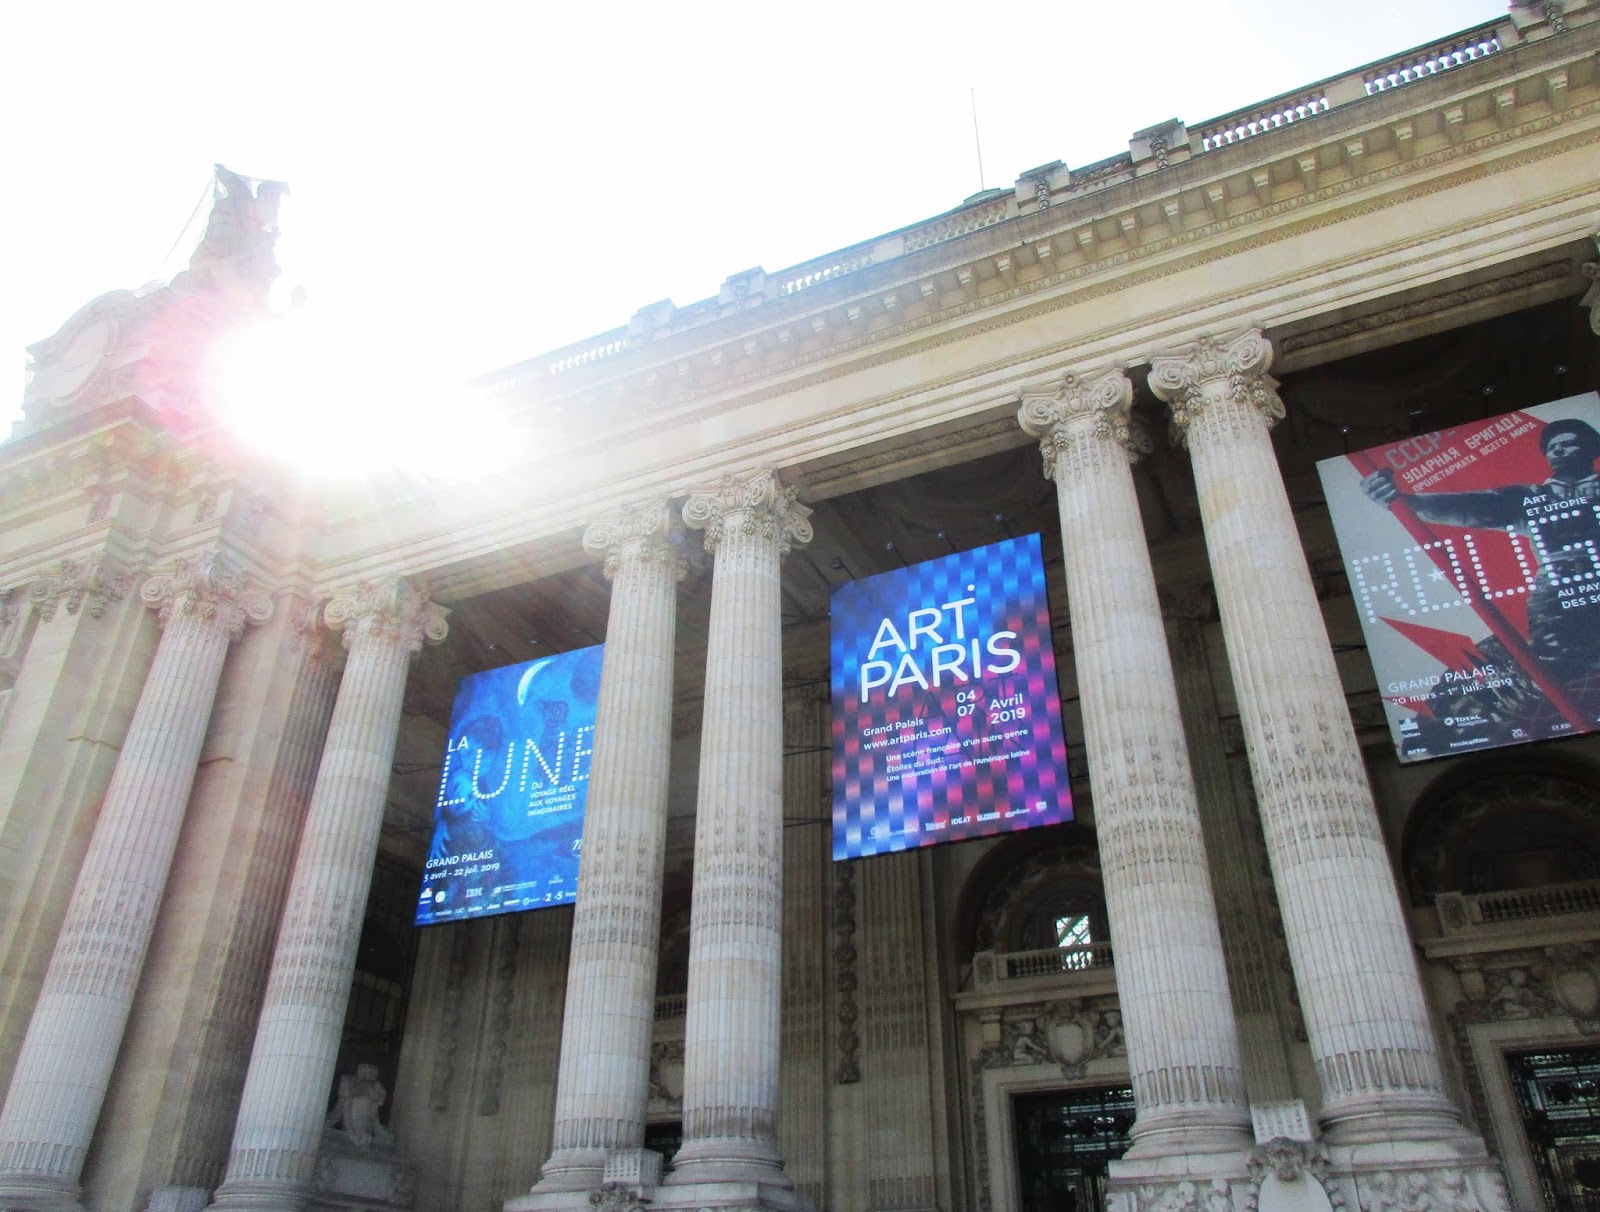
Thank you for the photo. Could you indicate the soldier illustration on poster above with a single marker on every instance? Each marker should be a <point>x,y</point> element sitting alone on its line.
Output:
<point>1479,593</point>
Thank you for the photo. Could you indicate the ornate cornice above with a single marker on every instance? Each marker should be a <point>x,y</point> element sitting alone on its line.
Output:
<point>637,535</point>
<point>1214,370</point>
<point>391,611</point>
<point>1095,406</point>
<point>778,372</point>
<point>208,587</point>
<point>87,585</point>
<point>752,504</point>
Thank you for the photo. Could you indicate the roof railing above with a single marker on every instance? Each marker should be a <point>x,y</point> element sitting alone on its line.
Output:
<point>996,206</point>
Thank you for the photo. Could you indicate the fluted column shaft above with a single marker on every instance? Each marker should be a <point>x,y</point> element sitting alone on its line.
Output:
<point>1353,961</point>
<point>67,1055</point>
<point>276,1135</point>
<point>730,1099</point>
<point>604,1076</point>
<point>1183,1050</point>
<point>1250,973</point>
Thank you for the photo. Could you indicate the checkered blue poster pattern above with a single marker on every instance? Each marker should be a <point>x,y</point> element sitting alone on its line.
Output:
<point>508,819</point>
<point>946,716</point>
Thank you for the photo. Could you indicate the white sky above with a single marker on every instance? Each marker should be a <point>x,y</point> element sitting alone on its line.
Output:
<point>476,183</point>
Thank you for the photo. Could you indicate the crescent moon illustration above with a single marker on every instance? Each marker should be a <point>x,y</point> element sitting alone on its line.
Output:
<point>527,680</point>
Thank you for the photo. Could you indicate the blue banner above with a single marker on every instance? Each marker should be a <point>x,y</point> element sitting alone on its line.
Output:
<point>946,716</point>
<point>508,820</point>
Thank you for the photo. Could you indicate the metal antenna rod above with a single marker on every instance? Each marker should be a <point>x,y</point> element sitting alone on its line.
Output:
<point>976,141</point>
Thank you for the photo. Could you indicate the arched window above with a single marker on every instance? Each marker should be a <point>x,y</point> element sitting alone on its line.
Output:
<point>1502,825</point>
<point>1025,896</point>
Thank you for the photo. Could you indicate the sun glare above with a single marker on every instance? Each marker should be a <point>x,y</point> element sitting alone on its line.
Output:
<point>340,404</point>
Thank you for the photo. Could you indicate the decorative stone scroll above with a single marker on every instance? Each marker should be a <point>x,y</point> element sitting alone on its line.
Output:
<point>1098,406</point>
<point>1218,375</point>
<point>755,505</point>
<point>89,585</point>
<point>639,535</point>
<point>207,587</point>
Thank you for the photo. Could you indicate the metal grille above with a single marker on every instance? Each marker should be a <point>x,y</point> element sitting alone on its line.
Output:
<point>1558,1093</point>
<point>1064,1140</point>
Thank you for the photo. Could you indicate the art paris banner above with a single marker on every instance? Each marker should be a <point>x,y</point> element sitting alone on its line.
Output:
<point>946,716</point>
<point>1474,558</point>
<point>508,819</point>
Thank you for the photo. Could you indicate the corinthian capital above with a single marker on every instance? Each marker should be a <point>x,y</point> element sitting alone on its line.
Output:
<point>87,585</point>
<point>753,504</point>
<point>1091,406</point>
<point>390,611</point>
<point>210,588</point>
<point>1228,371</point>
<point>1591,297</point>
<point>638,535</point>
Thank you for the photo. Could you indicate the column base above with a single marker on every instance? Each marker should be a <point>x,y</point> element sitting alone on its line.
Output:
<point>712,1159</point>
<point>568,1170</point>
<point>261,1197</point>
<point>1417,1119</point>
<point>627,1180</point>
<point>19,1193</point>
<point>1188,1137</point>
<point>733,1194</point>
<point>178,1199</point>
<point>1198,1180</point>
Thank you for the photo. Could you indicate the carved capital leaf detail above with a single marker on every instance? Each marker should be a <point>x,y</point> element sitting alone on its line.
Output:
<point>1093,406</point>
<point>638,535</point>
<point>1591,297</point>
<point>207,587</point>
<point>390,611</point>
<point>753,504</point>
<point>1216,372</point>
<point>87,585</point>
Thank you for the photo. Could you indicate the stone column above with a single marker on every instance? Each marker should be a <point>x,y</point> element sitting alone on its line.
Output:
<point>807,800</point>
<point>256,803</point>
<point>276,1136</point>
<point>1250,968</point>
<point>730,1099</point>
<point>1183,1050</point>
<point>604,1075</point>
<point>71,1045</point>
<point>1353,960</point>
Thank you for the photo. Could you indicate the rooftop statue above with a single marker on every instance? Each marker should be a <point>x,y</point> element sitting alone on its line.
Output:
<point>152,343</point>
<point>236,250</point>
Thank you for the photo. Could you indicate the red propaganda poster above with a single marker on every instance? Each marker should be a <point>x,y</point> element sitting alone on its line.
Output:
<point>1474,560</point>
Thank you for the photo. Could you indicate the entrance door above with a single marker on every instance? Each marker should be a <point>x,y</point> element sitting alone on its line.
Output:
<point>666,1139</point>
<point>1064,1140</point>
<point>1558,1093</point>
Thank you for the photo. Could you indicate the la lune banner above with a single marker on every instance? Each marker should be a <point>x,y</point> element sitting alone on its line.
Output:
<point>1474,558</point>
<point>508,821</point>
<point>946,716</point>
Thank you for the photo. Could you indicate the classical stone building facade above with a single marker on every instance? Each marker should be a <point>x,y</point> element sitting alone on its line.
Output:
<point>1268,967</point>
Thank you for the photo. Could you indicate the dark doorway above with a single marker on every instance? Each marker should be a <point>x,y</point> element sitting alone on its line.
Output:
<point>1558,1093</point>
<point>665,1140</point>
<point>1064,1140</point>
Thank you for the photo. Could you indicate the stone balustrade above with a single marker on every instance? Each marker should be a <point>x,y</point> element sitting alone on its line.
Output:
<point>996,967</point>
<point>1462,913</point>
<point>757,287</point>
